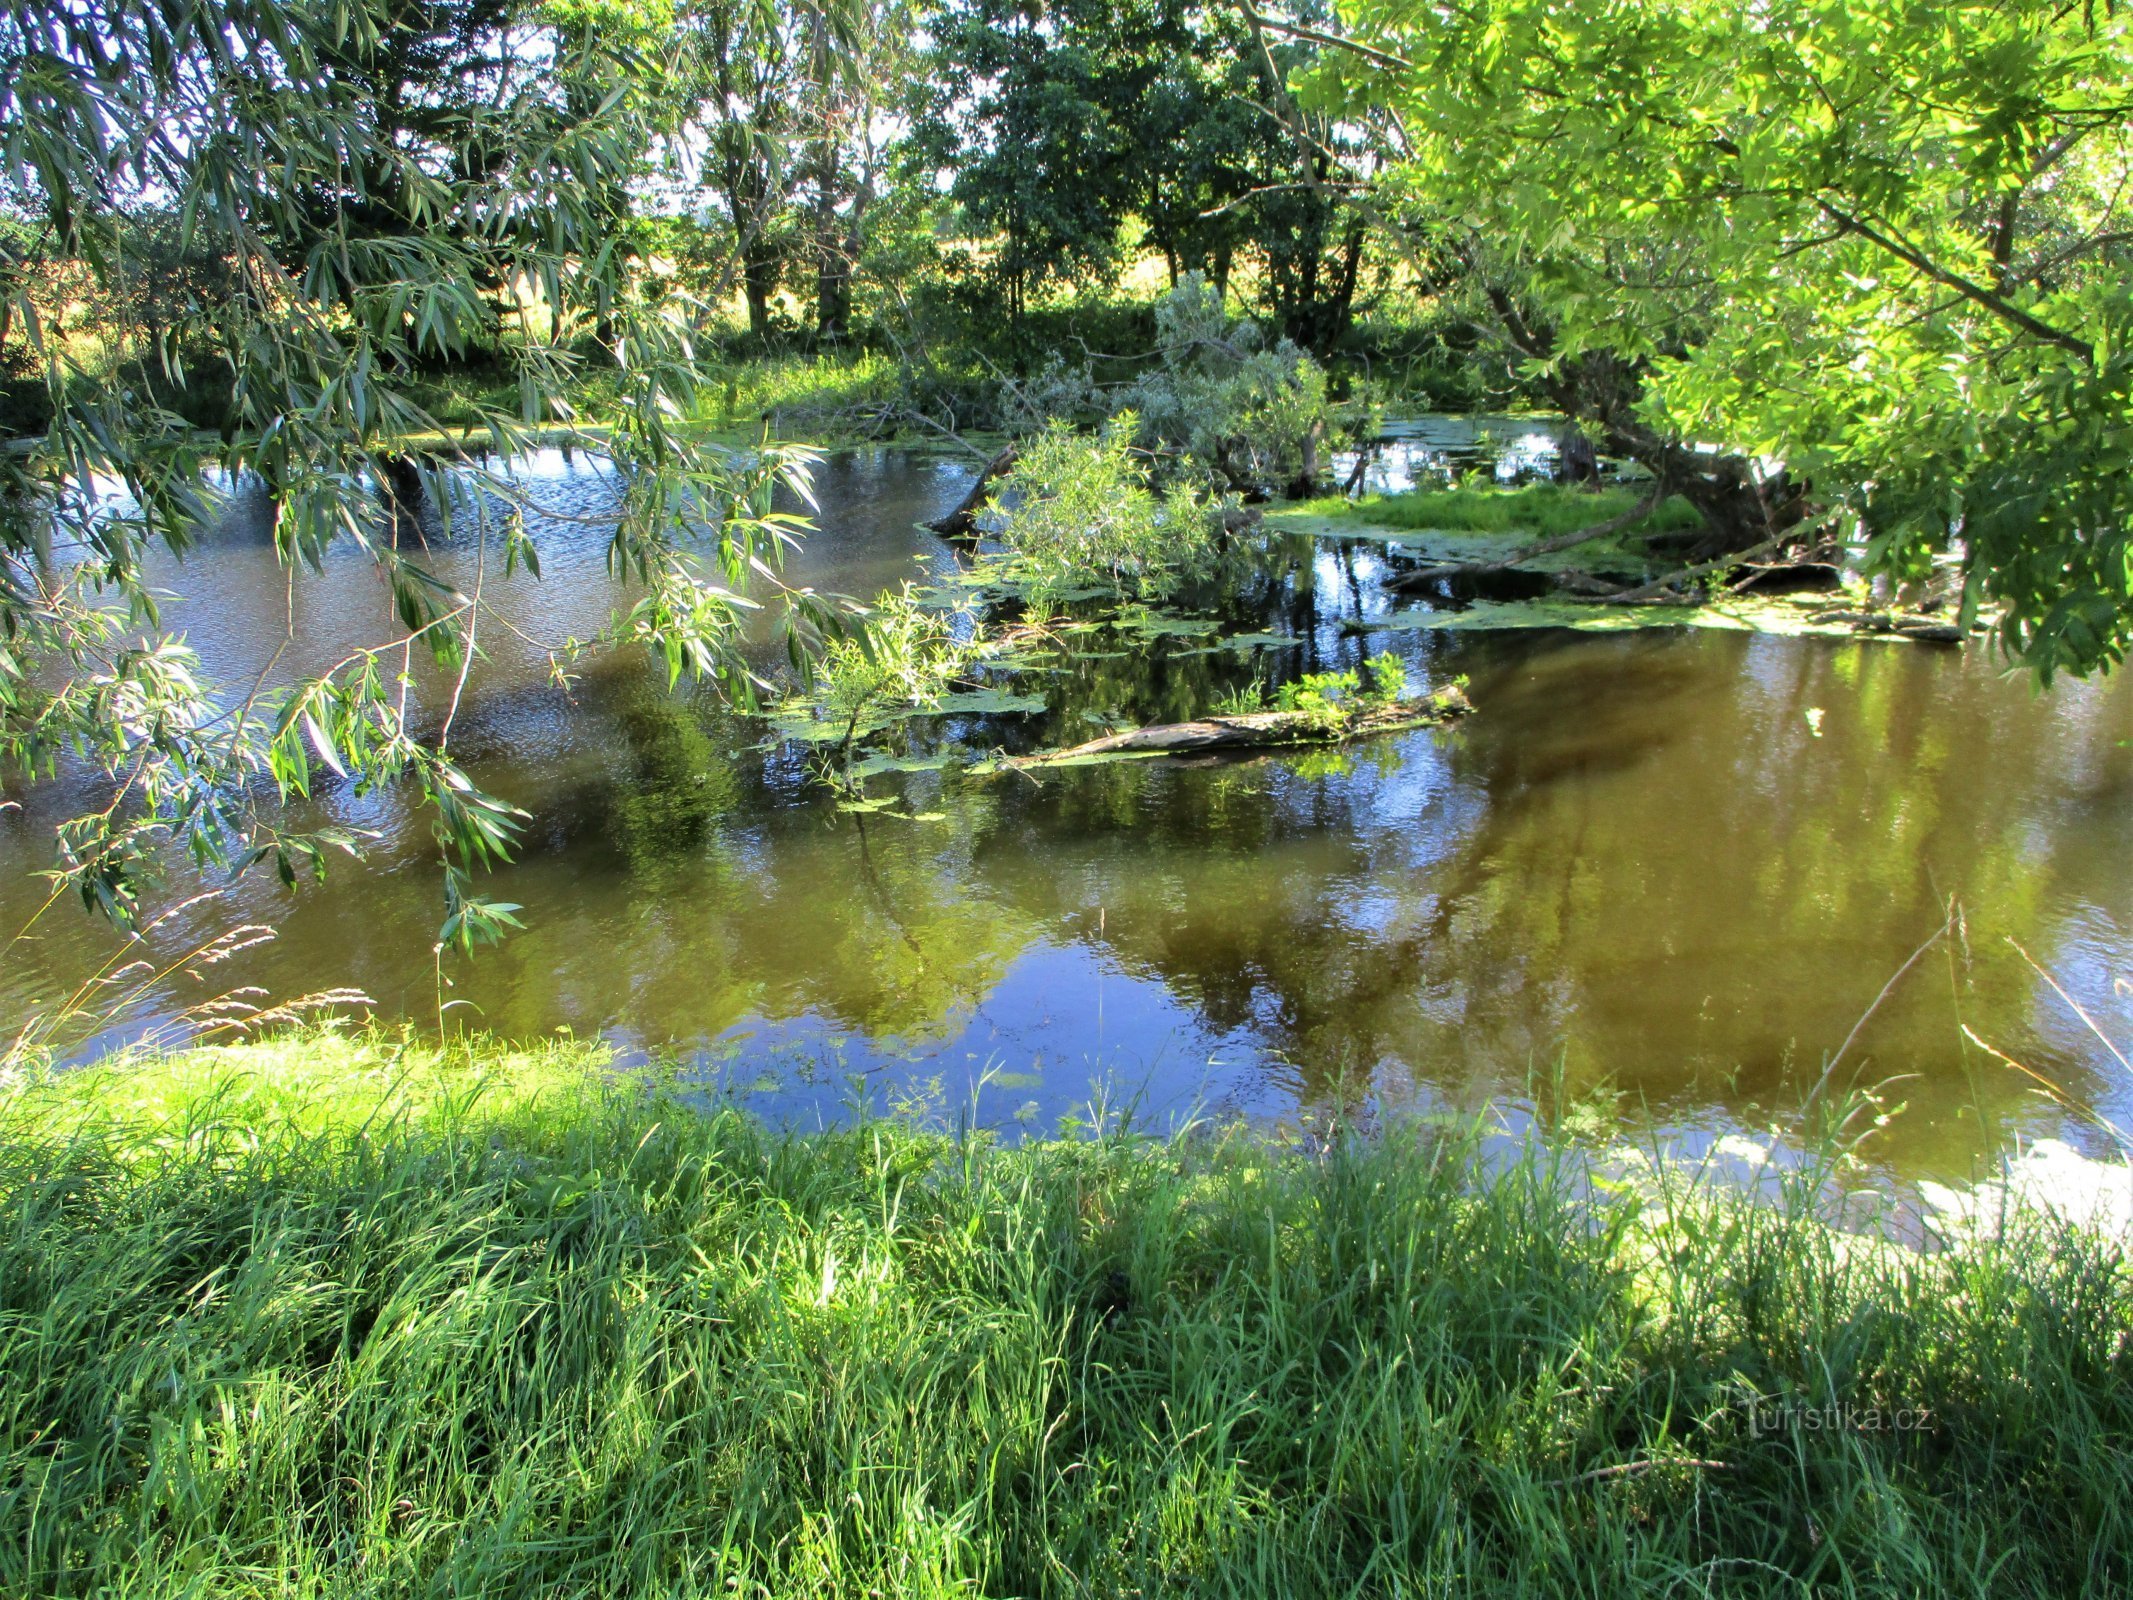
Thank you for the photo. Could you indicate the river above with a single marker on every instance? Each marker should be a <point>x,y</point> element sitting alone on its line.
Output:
<point>1663,872</point>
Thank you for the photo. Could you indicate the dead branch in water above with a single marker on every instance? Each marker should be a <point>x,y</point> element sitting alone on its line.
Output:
<point>962,522</point>
<point>1260,730</point>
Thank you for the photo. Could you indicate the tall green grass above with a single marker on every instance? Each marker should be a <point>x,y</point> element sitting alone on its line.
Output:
<point>328,1317</point>
<point>829,395</point>
<point>800,390</point>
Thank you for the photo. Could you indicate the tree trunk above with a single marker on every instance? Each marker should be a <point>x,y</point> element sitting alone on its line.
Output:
<point>962,522</point>
<point>1576,460</point>
<point>833,294</point>
<point>1306,484</point>
<point>1599,391</point>
<point>759,278</point>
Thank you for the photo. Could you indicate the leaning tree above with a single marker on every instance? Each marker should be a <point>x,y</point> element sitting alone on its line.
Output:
<point>1877,251</point>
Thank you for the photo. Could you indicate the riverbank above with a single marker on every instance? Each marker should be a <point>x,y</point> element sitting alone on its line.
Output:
<point>323,1316</point>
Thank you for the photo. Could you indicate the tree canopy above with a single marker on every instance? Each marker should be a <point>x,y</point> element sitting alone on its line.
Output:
<point>1884,245</point>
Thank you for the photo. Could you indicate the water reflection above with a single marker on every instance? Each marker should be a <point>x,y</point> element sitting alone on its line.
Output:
<point>1678,864</point>
<point>1414,451</point>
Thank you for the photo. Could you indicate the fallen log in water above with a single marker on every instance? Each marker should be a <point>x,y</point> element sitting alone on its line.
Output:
<point>962,522</point>
<point>1261,730</point>
<point>1928,630</point>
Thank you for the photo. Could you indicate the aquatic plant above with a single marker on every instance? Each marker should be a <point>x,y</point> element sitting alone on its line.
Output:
<point>1320,694</point>
<point>905,654</point>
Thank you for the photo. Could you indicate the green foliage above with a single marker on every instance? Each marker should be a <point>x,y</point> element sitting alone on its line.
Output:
<point>1885,244</point>
<point>780,110</point>
<point>1249,415</point>
<point>1319,693</point>
<point>1385,675</point>
<point>1155,118</point>
<point>906,654</point>
<point>360,233</point>
<point>345,1317</point>
<point>1331,700</point>
<point>1079,513</point>
<point>1380,681</point>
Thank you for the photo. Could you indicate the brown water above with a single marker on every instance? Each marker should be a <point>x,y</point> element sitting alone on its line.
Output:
<point>1674,867</point>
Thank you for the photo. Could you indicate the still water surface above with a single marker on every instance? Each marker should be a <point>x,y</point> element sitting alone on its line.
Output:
<point>1672,867</point>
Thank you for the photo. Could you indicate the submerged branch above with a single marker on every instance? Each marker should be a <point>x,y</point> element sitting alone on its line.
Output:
<point>1260,730</point>
<point>962,522</point>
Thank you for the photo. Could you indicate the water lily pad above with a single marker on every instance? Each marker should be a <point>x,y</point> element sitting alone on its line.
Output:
<point>876,762</point>
<point>884,806</point>
<point>1165,624</point>
<point>799,722</point>
<point>1320,526</point>
<point>1245,641</point>
<point>981,702</point>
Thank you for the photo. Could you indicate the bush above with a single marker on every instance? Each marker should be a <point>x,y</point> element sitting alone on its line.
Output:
<point>1079,513</point>
<point>904,654</point>
<point>1331,698</point>
<point>1248,415</point>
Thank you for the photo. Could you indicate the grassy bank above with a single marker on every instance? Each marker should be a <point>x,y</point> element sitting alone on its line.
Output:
<point>322,1317</point>
<point>1528,512</point>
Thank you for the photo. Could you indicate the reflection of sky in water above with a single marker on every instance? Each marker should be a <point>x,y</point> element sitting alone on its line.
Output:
<point>1639,867</point>
<point>1424,450</point>
<point>1062,1029</point>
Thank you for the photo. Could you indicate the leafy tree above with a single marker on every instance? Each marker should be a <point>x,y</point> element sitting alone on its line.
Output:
<point>742,66</point>
<point>776,119</point>
<point>1061,122</point>
<point>275,133</point>
<point>852,62</point>
<point>1025,111</point>
<point>1884,244</point>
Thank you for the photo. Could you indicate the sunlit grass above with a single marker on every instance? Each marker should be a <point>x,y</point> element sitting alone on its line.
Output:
<point>1544,510</point>
<point>813,388</point>
<point>338,1317</point>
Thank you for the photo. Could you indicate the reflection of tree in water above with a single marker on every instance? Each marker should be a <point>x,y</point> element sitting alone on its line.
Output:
<point>759,904</point>
<point>679,783</point>
<point>1642,853</point>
